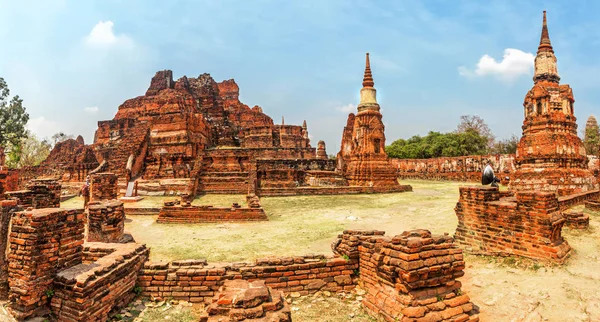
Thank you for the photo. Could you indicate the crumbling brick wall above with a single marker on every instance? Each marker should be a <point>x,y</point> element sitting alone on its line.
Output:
<point>412,277</point>
<point>40,193</point>
<point>528,224</point>
<point>106,221</point>
<point>103,186</point>
<point>42,242</point>
<point>465,168</point>
<point>7,207</point>
<point>197,281</point>
<point>89,291</point>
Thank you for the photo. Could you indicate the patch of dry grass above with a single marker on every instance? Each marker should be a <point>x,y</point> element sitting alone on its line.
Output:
<point>298,225</point>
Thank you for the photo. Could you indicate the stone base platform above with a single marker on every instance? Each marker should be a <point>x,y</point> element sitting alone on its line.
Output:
<point>208,214</point>
<point>130,199</point>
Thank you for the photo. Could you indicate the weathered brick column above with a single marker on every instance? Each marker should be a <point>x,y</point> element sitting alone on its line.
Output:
<point>106,221</point>
<point>7,207</point>
<point>412,277</point>
<point>103,186</point>
<point>42,242</point>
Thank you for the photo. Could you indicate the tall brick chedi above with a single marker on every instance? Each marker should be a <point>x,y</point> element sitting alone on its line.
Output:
<point>362,157</point>
<point>550,156</point>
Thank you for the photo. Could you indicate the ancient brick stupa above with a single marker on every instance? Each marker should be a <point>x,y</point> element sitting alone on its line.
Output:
<point>550,155</point>
<point>362,157</point>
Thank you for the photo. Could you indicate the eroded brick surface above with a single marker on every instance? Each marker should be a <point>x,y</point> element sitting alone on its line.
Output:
<point>42,242</point>
<point>239,300</point>
<point>550,156</point>
<point>528,224</point>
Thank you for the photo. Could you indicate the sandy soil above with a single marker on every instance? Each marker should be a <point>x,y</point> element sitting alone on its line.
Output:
<point>505,289</point>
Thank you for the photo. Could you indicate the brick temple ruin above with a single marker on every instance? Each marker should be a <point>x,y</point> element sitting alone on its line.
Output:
<point>551,175</point>
<point>194,136</point>
<point>550,156</point>
<point>53,267</point>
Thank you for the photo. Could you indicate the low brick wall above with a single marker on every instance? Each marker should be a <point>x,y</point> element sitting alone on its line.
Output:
<point>196,281</point>
<point>40,193</point>
<point>89,291</point>
<point>465,168</point>
<point>592,205</point>
<point>104,186</point>
<point>42,242</point>
<point>577,220</point>
<point>408,277</point>
<point>568,201</point>
<point>204,214</point>
<point>106,221</point>
<point>528,224</point>
<point>301,191</point>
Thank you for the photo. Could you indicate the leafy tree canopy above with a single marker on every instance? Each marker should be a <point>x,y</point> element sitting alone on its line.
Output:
<point>13,118</point>
<point>472,137</point>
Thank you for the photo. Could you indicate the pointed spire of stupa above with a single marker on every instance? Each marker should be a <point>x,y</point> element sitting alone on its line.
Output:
<point>545,44</point>
<point>368,78</point>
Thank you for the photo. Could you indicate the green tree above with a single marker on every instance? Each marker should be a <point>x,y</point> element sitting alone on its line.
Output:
<point>436,144</point>
<point>60,137</point>
<point>508,146</point>
<point>30,151</point>
<point>13,119</point>
<point>477,124</point>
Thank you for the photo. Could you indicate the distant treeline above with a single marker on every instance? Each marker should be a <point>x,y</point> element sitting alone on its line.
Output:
<point>472,137</point>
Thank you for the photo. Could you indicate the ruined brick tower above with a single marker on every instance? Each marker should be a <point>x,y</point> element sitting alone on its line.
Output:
<point>362,157</point>
<point>550,156</point>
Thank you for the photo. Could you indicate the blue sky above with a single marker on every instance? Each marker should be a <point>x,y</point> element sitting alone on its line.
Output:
<point>75,62</point>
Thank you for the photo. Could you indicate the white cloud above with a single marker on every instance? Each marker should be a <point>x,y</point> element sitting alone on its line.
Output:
<point>514,63</point>
<point>347,108</point>
<point>91,109</point>
<point>102,35</point>
<point>42,127</point>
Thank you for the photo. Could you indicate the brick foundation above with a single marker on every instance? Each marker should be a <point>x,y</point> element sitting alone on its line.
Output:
<point>103,186</point>
<point>40,193</point>
<point>90,290</point>
<point>528,224</point>
<point>240,300</point>
<point>106,221</point>
<point>202,214</point>
<point>42,242</point>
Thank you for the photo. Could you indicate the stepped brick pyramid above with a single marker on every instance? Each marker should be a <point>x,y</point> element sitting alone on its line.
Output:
<point>550,156</point>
